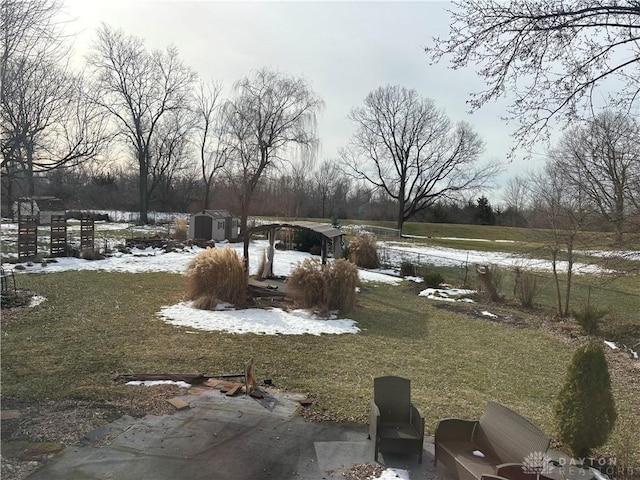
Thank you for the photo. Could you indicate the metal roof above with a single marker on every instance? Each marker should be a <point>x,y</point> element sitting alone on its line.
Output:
<point>221,214</point>
<point>321,228</point>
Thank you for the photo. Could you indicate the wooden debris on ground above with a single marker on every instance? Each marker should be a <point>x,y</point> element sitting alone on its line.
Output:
<point>178,403</point>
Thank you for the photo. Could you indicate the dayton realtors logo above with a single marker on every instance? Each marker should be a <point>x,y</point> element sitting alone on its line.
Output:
<point>537,463</point>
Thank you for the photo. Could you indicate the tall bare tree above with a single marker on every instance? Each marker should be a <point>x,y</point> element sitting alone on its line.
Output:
<point>212,146</point>
<point>170,153</point>
<point>326,180</point>
<point>271,118</point>
<point>45,119</point>
<point>407,147</point>
<point>602,159</point>
<point>138,88</point>
<point>564,213</point>
<point>551,57</point>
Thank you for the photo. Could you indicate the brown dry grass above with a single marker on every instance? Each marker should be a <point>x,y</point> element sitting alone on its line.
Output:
<point>180,227</point>
<point>216,275</point>
<point>325,287</point>
<point>363,251</point>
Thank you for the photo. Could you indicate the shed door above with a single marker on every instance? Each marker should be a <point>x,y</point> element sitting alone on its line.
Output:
<point>203,226</point>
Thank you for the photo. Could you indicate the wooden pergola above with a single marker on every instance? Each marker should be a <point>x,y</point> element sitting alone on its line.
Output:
<point>327,232</point>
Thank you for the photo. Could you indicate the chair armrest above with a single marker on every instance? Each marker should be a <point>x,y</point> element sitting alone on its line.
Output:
<point>492,477</point>
<point>455,429</point>
<point>417,420</point>
<point>513,471</point>
<point>374,420</point>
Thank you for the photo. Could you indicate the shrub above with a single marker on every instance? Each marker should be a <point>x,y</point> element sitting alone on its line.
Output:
<point>325,287</point>
<point>408,269</point>
<point>180,228</point>
<point>91,254</point>
<point>589,318</point>
<point>431,279</point>
<point>306,240</point>
<point>526,288</point>
<point>363,251</point>
<point>585,409</point>
<point>216,275</point>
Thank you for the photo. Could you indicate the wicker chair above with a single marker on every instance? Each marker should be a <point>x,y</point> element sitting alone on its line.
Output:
<point>396,425</point>
<point>472,449</point>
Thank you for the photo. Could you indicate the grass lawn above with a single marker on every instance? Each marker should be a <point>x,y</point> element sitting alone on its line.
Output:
<point>95,324</point>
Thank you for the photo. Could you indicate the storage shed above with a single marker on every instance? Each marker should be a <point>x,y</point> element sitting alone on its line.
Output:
<point>216,225</point>
<point>41,207</point>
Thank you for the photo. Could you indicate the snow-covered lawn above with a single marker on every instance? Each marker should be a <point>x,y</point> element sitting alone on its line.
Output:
<point>276,321</point>
<point>395,253</point>
<point>259,321</point>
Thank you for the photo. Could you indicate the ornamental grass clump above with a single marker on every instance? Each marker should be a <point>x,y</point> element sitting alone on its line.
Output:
<point>363,251</point>
<point>526,287</point>
<point>214,276</point>
<point>180,227</point>
<point>324,287</point>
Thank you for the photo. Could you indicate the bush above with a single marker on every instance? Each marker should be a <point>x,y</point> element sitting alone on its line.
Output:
<point>431,279</point>
<point>585,409</point>
<point>91,254</point>
<point>216,275</point>
<point>325,287</point>
<point>526,288</point>
<point>363,251</point>
<point>180,228</point>
<point>408,269</point>
<point>306,240</point>
<point>589,318</point>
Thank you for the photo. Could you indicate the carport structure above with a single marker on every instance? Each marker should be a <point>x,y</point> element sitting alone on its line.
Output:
<point>329,235</point>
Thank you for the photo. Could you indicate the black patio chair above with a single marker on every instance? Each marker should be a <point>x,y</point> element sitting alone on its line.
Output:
<point>396,425</point>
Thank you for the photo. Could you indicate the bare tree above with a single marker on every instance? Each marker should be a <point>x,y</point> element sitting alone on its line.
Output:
<point>564,212</point>
<point>46,121</point>
<point>551,56</point>
<point>170,152</point>
<point>138,89</point>
<point>408,148</point>
<point>602,159</point>
<point>271,116</point>
<point>515,198</point>
<point>213,148</point>
<point>326,180</point>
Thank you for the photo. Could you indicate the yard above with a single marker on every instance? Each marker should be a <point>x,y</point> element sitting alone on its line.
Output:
<point>97,323</point>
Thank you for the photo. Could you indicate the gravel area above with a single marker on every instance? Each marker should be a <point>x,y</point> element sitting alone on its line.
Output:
<point>45,428</point>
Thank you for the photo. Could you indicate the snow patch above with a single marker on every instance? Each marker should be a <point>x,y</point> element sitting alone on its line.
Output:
<point>274,321</point>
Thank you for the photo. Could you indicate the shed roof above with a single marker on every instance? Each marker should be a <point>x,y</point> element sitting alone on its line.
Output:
<point>45,203</point>
<point>321,228</point>
<point>216,213</point>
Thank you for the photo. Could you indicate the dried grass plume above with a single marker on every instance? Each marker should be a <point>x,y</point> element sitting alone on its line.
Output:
<point>216,275</point>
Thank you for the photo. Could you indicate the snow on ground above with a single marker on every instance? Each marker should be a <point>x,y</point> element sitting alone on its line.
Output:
<point>156,260</point>
<point>394,474</point>
<point>153,383</point>
<point>274,321</point>
<point>396,253</point>
<point>448,294</point>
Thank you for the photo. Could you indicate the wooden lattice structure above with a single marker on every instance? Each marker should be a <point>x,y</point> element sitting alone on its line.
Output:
<point>27,237</point>
<point>58,235</point>
<point>87,233</point>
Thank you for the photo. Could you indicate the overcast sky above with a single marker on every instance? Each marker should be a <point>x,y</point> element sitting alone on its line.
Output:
<point>344,50</point>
